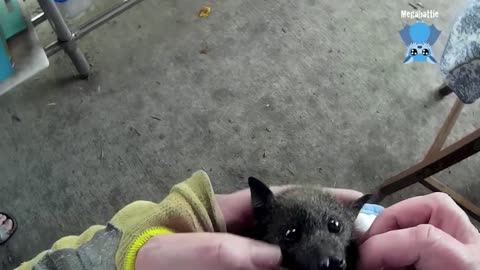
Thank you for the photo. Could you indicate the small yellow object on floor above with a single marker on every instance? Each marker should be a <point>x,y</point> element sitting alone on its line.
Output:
<point>205,12</point>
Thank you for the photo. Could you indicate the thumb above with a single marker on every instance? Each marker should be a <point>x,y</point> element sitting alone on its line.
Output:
<point>209,251</point>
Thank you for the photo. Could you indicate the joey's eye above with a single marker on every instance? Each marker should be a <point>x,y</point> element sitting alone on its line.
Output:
<point>334,226</point>
<point>292,235</point>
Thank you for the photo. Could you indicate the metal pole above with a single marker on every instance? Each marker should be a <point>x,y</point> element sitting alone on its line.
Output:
<point>53,48</point>
<point>94,23</point>
<point>66,38</point>
<point>38,19</point>
<point>105,17</point>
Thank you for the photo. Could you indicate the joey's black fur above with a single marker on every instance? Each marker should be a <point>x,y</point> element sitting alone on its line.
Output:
<point>313,229</point>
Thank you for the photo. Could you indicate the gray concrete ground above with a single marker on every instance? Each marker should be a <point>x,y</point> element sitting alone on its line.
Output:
<point>307,91</point>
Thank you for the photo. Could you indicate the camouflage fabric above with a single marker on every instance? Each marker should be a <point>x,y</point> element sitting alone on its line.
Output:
<point>461,58</point>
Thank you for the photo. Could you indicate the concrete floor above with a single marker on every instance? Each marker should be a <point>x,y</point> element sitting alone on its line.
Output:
<point>307,91</point>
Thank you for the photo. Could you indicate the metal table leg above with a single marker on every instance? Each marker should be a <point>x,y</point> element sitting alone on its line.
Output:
<point>66,38</point>
<point>94,23</point>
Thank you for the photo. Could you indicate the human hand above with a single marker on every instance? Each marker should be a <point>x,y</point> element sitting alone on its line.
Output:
<point>220,251</point>
<point>206,251</point>
<point>428,232</point>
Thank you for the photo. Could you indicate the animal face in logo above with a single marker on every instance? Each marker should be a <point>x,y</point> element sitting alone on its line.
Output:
<point>419,53</point>
<point>419,38</point>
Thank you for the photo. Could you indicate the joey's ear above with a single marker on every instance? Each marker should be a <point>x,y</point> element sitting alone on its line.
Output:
<point>261,194</point>
<point>360,202</point>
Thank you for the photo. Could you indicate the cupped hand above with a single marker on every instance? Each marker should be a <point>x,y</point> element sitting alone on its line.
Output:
<point>428,232</point>
<point>220,251</point>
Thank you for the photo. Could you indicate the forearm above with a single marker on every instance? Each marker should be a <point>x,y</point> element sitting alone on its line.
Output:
<point>189,207</point>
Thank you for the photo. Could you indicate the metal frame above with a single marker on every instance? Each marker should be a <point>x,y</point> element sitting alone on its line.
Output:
<point>437,160</point>
<point>67,39</point>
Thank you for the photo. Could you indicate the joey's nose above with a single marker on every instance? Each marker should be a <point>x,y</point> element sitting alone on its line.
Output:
<point>332,263</point>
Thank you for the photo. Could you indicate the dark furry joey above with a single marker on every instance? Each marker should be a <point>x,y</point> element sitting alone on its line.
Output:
<point>313,229</point>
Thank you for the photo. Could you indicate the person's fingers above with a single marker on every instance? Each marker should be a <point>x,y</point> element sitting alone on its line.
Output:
<point>8,225</point>
<point>424,246</point>
<point>2,218</point>
<point>206,251</point>
<point>237,210</point>
<point>437,209</point>
<point>344,195</point>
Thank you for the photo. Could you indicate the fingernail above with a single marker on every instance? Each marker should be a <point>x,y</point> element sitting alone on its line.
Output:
<point>266,256</point>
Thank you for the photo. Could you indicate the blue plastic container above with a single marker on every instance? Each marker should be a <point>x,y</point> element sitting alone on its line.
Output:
<point>6,67</point>
<point>11,18</point>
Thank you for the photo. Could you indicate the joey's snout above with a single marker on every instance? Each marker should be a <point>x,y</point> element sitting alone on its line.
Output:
<point>316,254</point>
<point>299,262</point>
<point>332,263</point>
